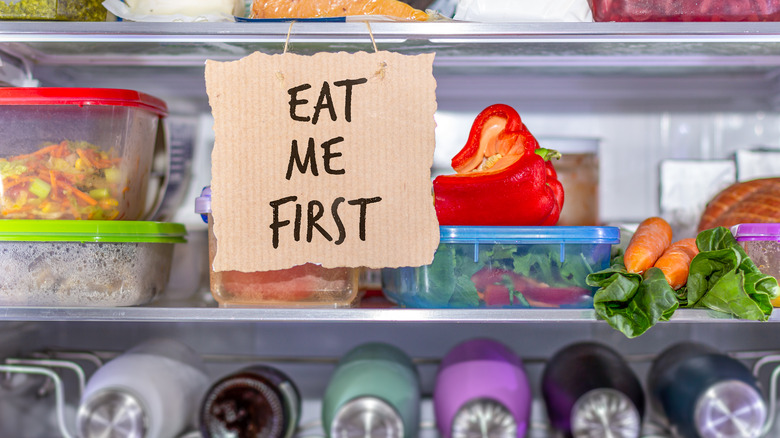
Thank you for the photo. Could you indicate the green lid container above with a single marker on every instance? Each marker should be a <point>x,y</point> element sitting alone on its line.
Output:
<point>19,230</point>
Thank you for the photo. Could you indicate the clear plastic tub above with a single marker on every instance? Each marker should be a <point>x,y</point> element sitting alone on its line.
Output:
<point>762,244</point>
<point>506,267</point>
<point>76,153</point>
<point>684,10</point>
<point>308,285</point>
<point>67,10</point>
<point>85,263</point>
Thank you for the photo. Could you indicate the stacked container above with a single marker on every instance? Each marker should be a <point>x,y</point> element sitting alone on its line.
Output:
<point>75,166</point>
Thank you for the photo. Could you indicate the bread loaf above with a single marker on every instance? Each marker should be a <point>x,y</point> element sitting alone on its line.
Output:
<point>756,201</point>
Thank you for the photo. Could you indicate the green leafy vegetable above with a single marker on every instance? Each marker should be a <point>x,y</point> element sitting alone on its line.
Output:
<point>722,277</point>
<point>630,303</point>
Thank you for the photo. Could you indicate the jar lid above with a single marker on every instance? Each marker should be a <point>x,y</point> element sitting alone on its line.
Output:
<point>82,97</point>
<point>529,235</point>
<point>754,232</point>
<point>21,230</point>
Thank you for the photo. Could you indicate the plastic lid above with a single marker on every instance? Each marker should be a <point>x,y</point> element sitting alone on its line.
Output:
<point>605,413</point>
<point>20,230</point>
<point>525,235</point>
<point>81,97</point>
<point>752,232</point>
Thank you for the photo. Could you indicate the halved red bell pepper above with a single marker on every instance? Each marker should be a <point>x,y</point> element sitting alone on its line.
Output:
<point>504,177</point>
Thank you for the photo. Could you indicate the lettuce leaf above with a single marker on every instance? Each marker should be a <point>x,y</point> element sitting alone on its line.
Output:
<point>630,303</point>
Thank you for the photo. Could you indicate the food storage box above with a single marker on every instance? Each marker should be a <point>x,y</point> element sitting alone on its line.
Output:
<point>520,267</point>
<point>76,153</point>
<point>308,285</point>
<point>685,10</point>
<point>85,263</point>
<point>71,10</point>
<point>762,244</point>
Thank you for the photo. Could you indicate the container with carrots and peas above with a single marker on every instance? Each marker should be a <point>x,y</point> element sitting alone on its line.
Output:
<point>76,153</point>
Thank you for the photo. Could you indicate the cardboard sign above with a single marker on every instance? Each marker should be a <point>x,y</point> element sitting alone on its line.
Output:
<point>323,159</point>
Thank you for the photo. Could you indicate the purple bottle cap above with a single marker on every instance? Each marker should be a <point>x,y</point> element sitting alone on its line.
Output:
<point>481,375</point>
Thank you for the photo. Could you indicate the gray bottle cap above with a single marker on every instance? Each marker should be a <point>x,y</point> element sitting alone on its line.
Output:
<point>605,413</point>
<point>367,417</point>
<point>111,413</point>
<point>484,418</point>
<point>730,409</point>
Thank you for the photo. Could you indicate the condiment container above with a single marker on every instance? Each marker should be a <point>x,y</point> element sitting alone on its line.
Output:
<point>85,263</point>
<point>257,401</point>
<point>70,10</point>
<point>591,392</point>
<point>152,390</point>
<point>77,153</point>
<point>374,392</point>
<point>478,266</point>
<point>307,285</point>
<point>684,10</point>
<point>706,394</point>
<point>578,172</point>
<point>482,391</point>
<point>762,244</point>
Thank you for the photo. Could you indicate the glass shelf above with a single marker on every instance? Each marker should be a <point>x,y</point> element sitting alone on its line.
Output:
<point>204,314</point>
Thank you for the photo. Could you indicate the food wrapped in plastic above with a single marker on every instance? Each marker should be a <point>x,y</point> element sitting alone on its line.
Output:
<point>523,10</point>
<point>685,10</point>
<point>63,10</point>
<point>176,10</point>
<point>334,8</point>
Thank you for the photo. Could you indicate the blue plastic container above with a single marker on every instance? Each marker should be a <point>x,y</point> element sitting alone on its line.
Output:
<point>512,267</point>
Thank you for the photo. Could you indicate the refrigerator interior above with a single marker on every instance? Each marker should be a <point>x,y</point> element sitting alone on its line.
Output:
<point>647,92</point>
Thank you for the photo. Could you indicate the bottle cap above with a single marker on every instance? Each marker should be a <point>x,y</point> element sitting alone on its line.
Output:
<point>243,406</point>
<point>730,409</point>
<point>484,418</point>
<point>112,412</point>
<point>605,413</point>
<point>365,417</point>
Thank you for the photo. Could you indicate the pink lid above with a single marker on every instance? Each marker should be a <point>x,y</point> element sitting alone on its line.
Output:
<point>81,97</point>
<point>756,232</point>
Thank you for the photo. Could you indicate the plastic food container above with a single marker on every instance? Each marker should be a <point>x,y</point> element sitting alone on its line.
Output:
<point>684,10</point>
<point>85,263</point>
<point>506,267</point>
<point>76,153</point>
<point>71,10</point>
<point>762,244</point>
<point>307,285</point>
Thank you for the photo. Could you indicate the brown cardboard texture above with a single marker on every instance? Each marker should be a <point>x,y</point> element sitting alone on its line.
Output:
<point>323,159</point>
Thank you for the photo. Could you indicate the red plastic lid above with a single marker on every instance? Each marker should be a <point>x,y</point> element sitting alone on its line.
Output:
<point>81,97</point>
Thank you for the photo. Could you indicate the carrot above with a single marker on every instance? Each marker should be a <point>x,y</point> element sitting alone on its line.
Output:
<point>675,262</point>
<point>83,196</point>
<point>648,243</point>
<point>39,152</point>
<point>53,180</point>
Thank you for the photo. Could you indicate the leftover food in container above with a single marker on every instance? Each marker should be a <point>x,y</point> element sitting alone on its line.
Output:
<point>63,10</point>
<point>85,263</point>
<point>308,285</point>
<point>505,267</point>
<point>76,153</point>
<point>762,244</point>
<point>684,10</point>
